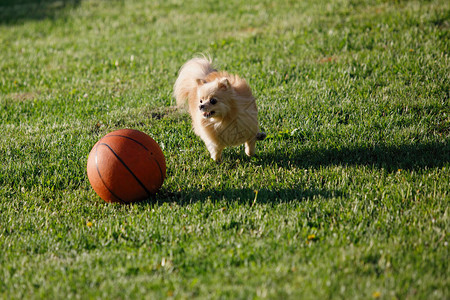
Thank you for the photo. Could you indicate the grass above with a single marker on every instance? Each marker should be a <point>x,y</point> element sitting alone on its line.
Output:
<point>347,198</point>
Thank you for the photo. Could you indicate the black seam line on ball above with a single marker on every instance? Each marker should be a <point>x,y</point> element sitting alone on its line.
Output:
<point>100,175</point>
<point>159,167</point>
<point>127,137</point>
<point>160,170</point>
<point>129,170</point>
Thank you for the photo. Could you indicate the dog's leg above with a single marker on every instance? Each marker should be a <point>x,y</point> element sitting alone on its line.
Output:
<point>215,151</point>
<point>216,154</point>
<point>250,147</point>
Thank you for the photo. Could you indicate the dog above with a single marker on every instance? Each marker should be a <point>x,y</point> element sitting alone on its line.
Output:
<point>221,105</point>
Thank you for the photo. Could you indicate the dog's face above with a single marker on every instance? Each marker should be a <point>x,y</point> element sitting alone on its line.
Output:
<point>214,98</point>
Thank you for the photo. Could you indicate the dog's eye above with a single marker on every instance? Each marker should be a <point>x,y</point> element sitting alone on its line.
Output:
<point>201,101</point>
<point>213,101</point>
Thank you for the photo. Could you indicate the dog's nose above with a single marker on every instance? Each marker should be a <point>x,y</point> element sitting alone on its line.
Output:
<point>201,107</point>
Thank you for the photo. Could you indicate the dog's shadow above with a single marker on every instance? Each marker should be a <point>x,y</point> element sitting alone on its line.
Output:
<point>390,158</point>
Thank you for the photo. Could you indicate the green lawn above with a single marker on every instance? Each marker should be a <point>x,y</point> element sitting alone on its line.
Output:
<point>348,197</point>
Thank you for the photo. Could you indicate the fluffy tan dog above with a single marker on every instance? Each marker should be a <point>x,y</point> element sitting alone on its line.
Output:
<point>221,105</point>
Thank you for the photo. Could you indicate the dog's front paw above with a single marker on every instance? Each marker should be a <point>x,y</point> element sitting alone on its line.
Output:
<point>215,151</point>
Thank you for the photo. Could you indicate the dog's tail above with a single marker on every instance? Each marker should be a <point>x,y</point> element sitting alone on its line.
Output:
<point>195,69</point>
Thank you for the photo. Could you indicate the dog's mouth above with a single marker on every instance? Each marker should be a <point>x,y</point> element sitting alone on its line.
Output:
<point>208,114</point>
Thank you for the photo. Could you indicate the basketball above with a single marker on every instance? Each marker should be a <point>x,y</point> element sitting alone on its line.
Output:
<point>126,166</point>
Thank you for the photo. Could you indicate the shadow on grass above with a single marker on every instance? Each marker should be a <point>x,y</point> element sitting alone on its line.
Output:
<point>245,196</point>
<point>17,11</point>
<point>390,158</point>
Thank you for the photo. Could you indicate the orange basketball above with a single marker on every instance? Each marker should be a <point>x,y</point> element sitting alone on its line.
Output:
<point>126,166</point>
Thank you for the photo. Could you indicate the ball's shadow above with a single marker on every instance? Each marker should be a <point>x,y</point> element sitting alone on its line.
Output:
<point>244,196</point>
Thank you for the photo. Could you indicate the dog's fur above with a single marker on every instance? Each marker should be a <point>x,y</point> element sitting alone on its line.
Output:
<point>221,105</point>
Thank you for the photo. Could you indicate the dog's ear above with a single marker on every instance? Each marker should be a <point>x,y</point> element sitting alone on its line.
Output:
<point>224,84</point>
<point>201,82</point>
